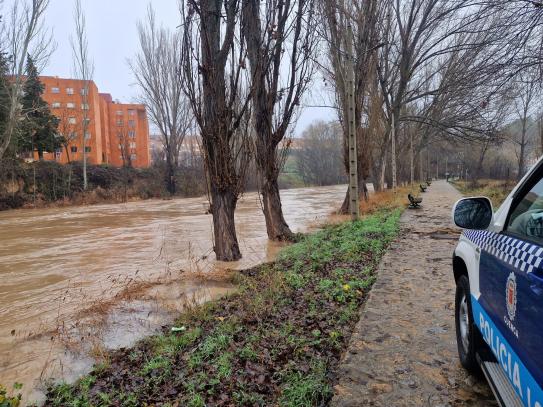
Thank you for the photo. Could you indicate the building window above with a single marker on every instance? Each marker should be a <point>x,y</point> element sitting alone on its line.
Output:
<point>73,149</point>
<point>73,135</point>
<point>132,145</point>
<point>72,120</point>
<point>70,105</point>
<point>87,149</point>
<point>120,122</point>
<point>55,105</point>
<point>86,121</point>
<point>70,91</point>
<point>132,123</point>
<point>131,134</point>
<point>131,112</point>
<point>133,157</point>
<point>87,136</point>
<point>85,106</point>
<point>55,90</point>
<point>119,112</point>
<point>84,91</point>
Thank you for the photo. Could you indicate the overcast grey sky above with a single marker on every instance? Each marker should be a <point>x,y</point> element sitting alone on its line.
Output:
<point>113,39</point>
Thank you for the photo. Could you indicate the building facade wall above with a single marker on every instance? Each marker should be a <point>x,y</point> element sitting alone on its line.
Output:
<point>66,101</point>
<point>129,134</point>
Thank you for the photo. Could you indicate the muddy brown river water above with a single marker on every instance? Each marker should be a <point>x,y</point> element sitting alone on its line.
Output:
<point>76,281</point>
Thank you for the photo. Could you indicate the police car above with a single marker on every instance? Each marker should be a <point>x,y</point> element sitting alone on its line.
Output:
<point>498,268</point>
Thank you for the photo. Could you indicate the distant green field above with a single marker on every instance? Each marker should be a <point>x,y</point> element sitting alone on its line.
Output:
<point>290,177</point>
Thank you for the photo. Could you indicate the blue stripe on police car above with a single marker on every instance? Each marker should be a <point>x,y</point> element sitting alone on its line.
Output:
<point>523,382</point>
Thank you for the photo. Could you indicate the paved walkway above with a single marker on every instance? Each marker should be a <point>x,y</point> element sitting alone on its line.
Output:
<point>403,351</point>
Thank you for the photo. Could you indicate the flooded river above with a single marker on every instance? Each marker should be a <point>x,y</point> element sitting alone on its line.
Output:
<point>75,281</point>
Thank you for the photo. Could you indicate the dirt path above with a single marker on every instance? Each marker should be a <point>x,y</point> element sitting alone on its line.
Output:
<point>403,351</point>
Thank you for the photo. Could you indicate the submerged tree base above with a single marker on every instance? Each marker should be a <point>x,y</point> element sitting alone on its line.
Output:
<point>277,341</point>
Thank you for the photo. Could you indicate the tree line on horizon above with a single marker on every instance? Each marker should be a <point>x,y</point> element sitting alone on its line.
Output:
<point>432,79</point>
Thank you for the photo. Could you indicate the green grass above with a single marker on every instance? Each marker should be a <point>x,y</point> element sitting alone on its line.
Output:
<point>9,399</point>
<point>291,180</point>
<point>275,342</point>
<point>306,389</point>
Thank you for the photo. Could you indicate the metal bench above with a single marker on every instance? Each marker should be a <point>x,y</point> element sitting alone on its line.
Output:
<point>414,202</point>
<point>422,188</point>
<point>429,182</point>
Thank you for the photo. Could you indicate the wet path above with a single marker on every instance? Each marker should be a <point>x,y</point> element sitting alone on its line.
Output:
<point>403,351</point>
<point>74,281</point>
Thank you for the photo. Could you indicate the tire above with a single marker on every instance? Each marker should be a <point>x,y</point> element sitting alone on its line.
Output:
<point>467,335</point>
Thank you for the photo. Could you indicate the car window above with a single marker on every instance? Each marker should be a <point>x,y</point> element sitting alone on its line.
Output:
<point>526,219</point>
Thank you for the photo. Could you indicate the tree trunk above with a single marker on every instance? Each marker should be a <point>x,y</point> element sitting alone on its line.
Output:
<point>276,226</point>
<point>388,173</point>
<point>363,188</point>
<point>521,162</point>
<point>479,171</point>
<point>362,192</point>
<point>393,166</point>
<point>67,153</point>
<point>379,171</point>
<point>521,158</point>
<point>421,170</point>
<point>223,206</point>
<point>344,210</point>
<point>411,160</point>
<point>170,176</point>
<point>540,137</point>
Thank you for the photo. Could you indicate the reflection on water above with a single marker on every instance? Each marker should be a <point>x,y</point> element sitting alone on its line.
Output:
<point>63,269</point>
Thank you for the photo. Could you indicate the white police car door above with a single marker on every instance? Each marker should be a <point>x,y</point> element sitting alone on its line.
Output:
<point>511,286</point>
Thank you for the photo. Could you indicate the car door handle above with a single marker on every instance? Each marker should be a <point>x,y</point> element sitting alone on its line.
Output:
<point>537,283</point>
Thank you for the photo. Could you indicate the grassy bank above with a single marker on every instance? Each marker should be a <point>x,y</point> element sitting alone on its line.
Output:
<point>496,190</point>
<point>277,341</point>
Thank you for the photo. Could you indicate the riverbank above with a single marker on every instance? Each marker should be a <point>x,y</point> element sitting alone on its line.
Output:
<point>276,341</point>
<point>44,184</point>
<point>68,261</point>
<point>47,184</point>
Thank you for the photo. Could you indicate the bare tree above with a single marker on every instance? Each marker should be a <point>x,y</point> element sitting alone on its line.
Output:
<point>280,38</point>
<point>127,145</point>
<point>362,17</point>
<point>216,84</point>
<point>440,65</point>
<point>320,157</point>
<point>24,34</point>
<point>84,71</point>
<point>527,96</point>
<point>159,74</point>
<point>68,130</point>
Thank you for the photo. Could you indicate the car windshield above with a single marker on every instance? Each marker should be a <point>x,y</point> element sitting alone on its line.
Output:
<point>527,218</point>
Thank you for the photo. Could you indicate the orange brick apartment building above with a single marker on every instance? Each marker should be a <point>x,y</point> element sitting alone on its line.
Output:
<point>111,125</point>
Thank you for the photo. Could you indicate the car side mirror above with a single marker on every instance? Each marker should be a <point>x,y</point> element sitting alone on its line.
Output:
<point>473,213</point>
